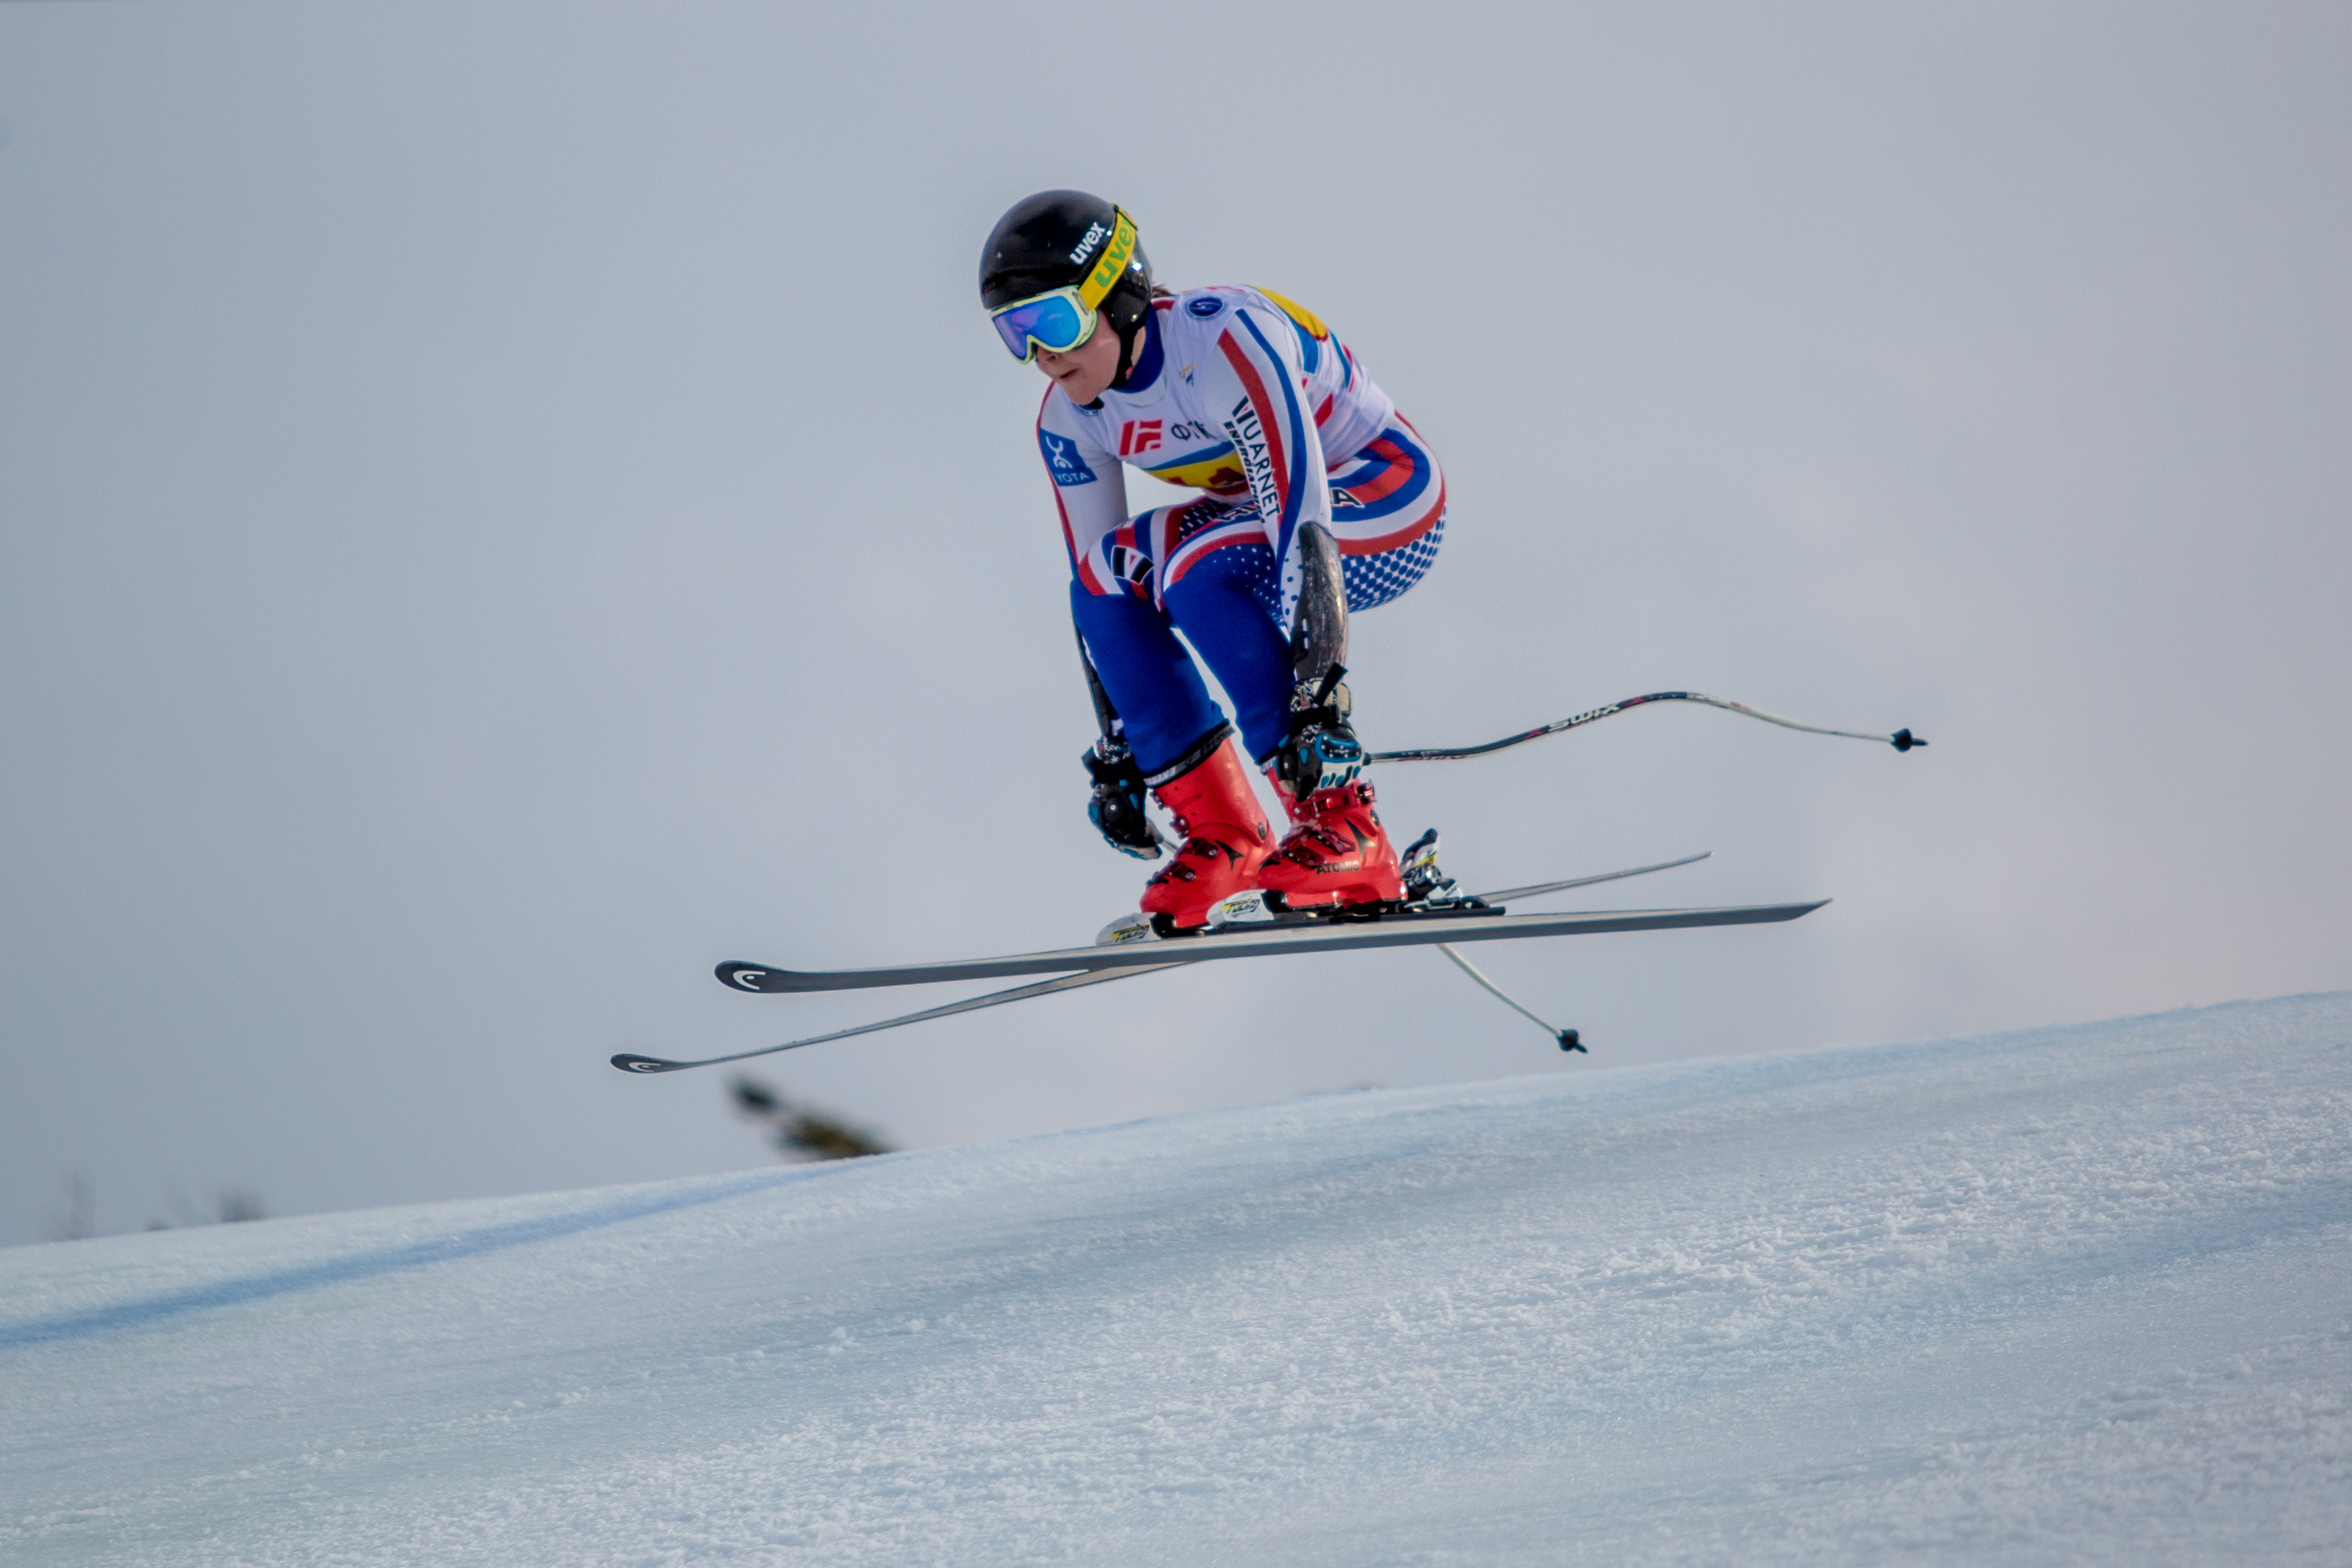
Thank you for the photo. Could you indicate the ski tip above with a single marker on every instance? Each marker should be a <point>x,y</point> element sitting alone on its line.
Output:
<point>743,976</point>
<point>629,1061</point>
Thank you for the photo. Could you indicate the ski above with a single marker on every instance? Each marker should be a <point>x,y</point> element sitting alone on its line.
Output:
<point>1442,915</point>
<point>631,1061</point>
<point>1504,895</point>
<point>1098,964</point>
<point>1402,930</point>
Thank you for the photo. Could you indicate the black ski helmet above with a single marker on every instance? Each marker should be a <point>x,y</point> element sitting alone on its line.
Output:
<point>1050,240</point>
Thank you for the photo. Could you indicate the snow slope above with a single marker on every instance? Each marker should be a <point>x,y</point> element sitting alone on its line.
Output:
<point>2072,1295</point>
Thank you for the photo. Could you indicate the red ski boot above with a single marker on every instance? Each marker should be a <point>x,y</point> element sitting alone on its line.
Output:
<point>1225,839</point>
<point>1336,852</point>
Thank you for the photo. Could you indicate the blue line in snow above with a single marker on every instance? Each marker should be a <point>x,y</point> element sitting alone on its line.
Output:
<point>385,1260</point>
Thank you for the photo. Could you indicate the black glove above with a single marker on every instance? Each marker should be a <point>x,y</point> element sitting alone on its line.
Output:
<point>1115,807</point>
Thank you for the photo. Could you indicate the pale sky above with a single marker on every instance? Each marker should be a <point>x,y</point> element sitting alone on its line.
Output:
<point>504,506</point>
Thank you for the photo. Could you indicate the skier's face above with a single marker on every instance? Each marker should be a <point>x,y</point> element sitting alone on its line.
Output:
<point>1084,372</point>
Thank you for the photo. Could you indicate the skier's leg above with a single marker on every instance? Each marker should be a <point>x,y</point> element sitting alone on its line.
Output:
<point>1223,586</point>
<point>1164,706</point>
<point>1388,514</point>
<point>1225,832</point>
<point>1209,565</point>
<point>1161,702</point>
<point>1181,743</point>
<point>1388,518</point>
<point>1226,600</point>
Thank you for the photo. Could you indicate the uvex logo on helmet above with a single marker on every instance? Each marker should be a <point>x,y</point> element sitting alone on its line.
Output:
<point>1094,237</point>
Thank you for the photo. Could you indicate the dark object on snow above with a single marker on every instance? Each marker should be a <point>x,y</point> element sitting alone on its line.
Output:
<point>812,1133</point>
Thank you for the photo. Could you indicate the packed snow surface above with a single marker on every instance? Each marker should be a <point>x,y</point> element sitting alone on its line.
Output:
<point>2075,1295</point>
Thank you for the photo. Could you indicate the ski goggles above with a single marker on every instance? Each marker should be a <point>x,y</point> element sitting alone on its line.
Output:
<point>1060,319</point>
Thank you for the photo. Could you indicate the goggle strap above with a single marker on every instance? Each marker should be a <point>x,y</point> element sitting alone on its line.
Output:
<point>1111,263</point>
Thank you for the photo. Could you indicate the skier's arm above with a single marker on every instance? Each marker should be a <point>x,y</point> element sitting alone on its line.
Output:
<point>1257,388</point>
<point>1089,485</point>
<point>1090,492</point>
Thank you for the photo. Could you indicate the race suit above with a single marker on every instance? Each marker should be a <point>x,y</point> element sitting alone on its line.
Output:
<point>1250,398</point>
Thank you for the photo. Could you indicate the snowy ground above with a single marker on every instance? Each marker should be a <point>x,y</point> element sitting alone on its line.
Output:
<point>2075,1295</point>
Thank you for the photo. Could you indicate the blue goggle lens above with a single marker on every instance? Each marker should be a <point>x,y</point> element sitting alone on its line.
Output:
<point>1056,322</point>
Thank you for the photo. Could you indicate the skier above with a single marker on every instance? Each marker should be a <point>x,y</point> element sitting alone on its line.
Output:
<point>1319,499</point>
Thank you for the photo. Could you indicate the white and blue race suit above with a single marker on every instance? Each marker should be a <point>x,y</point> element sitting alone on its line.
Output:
<point>1251,399</point>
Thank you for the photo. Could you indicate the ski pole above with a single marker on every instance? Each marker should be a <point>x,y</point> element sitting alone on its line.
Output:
<point>1902,739</point>
<point>1567,1038</point>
